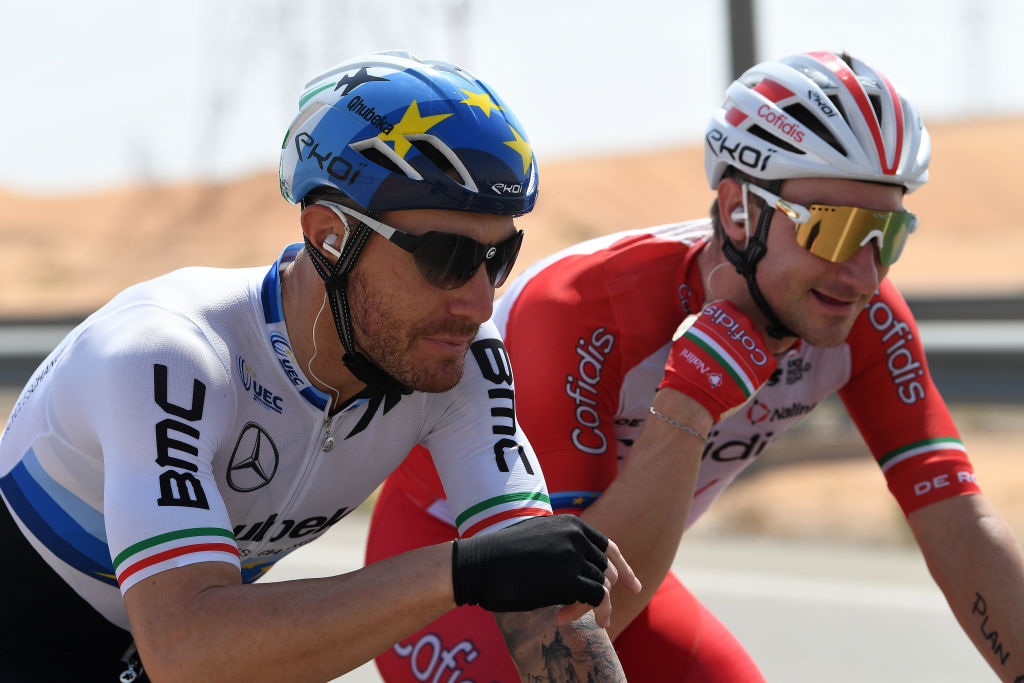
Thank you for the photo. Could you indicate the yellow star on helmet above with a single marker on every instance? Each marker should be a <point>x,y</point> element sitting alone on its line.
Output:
<point>482,100</point>
<point>411,124</point>
<point>523,147</point>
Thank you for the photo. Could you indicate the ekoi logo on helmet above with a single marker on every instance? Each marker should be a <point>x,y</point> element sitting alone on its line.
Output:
<point>507,188</point>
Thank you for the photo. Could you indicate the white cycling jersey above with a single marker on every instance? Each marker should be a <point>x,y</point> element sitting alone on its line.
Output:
<point>173,426</point>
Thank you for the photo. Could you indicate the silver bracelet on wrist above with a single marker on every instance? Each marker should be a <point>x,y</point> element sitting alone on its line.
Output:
<point>678,425</point>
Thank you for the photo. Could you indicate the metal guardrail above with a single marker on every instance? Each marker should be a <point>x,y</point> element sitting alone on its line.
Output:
<point>975,346</point>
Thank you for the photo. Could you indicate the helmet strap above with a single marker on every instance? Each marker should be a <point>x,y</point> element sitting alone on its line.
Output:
<point>335,277</point>
<point>745,262</point>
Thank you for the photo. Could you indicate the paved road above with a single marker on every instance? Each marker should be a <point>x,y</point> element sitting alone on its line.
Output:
<point>807,613</point>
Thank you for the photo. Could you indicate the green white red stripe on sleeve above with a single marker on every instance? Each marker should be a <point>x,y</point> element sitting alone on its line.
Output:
<point>896,456</point>
<point>493,511</point>
<point>174,549</point>
<point>720,353</point>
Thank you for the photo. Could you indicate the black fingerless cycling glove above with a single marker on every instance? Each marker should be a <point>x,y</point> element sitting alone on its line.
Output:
<point>539,562</point>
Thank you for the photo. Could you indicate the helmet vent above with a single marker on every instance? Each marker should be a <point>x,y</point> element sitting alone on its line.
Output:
<point>773,139</point>
<point>809,121</point>
<point>381,159</point>
<point>834,99</point>
<point>444,157</point>
<point>876,104</point>
<point>377,151</point>
<point>438,158</point>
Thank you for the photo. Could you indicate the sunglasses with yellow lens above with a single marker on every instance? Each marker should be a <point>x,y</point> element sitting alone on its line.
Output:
<point>835,233</point>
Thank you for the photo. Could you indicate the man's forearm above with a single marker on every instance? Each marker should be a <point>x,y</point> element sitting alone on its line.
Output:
<point>544,651</point>
<point>188,621</point>
<point>979,565</point>
<point>646,506</point>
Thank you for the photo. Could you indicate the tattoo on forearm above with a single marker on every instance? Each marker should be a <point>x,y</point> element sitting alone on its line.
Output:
<point>989,631</point>
<point>580,651</point>
<point>595,662</point>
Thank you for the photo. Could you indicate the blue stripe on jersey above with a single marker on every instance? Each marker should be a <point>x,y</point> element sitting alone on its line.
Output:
<point>315,396</point>
<point>254,570</point>
<point>270,295</point>
<point>84,514</point>
<point>573,500</point>
<point>273,314</point>
<point>269,284</point>
<point>54,527</point>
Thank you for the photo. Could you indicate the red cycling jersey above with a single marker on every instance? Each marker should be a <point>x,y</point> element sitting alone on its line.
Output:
<point>589,329</point>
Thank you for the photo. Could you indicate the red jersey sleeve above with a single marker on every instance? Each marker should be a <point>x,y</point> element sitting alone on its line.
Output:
<point>898,409</point>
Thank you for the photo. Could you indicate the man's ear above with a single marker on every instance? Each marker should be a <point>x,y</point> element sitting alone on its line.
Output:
<point>319,223</point>
<point>730,211</point>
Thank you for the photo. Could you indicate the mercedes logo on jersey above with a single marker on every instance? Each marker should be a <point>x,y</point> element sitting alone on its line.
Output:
<point>254,460</point>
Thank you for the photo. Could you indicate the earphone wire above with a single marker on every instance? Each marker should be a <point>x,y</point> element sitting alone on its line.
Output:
<point>309,363</point>
<point>707,282</point>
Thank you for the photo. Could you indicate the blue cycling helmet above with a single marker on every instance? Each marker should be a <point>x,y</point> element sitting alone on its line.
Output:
<point>391,132</point>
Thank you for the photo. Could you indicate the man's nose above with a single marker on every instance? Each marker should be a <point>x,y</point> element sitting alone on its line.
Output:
<point>863,270</point>
<point>475,299</point>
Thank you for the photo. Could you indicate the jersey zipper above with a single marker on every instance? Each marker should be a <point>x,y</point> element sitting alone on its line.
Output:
<point>328,441</point>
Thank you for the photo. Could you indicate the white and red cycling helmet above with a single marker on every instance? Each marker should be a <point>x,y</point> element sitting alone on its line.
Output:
<point>812,115</point>
<point>818,114</point>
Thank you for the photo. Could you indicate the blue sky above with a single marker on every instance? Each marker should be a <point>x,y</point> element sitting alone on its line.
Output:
<point>114,92</point>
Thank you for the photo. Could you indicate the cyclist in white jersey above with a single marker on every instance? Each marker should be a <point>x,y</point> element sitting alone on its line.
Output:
<point>642,412</point>
<point>202,425</point>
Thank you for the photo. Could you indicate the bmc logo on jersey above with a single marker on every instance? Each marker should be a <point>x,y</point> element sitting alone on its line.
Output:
<point>177,440</point>
<point>495,366</point>
<point>261,394</point>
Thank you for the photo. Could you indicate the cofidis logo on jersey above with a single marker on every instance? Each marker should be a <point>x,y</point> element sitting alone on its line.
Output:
<point>430,659</point>
<point>261,394</point>
<point>583,390</point>
<point>904,368</point>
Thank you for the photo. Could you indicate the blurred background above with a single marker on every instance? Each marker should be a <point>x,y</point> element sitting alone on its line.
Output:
<point>141,137</point>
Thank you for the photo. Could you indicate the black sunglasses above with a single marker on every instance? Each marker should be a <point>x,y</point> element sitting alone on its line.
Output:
<point>445,260</point>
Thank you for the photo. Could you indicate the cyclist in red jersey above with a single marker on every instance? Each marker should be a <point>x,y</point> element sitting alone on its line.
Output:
<point>654,365</point>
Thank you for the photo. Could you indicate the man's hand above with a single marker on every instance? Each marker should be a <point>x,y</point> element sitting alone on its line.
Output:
<point>617,569</point>
<point>719,359</point>
<point>540,562</point>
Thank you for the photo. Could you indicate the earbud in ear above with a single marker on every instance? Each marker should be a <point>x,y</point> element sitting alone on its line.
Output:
<point>738,216</point>
<point>328,245</point>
